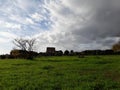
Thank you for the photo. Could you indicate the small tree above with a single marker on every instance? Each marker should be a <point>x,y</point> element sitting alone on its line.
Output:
<point>25,45</point>
<point>20,43</point>
<point>31,44</point>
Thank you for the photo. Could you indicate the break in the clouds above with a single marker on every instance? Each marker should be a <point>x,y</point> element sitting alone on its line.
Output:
<point>65,24</point>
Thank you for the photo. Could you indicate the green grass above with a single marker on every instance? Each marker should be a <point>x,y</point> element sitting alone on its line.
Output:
<point>61,73</point>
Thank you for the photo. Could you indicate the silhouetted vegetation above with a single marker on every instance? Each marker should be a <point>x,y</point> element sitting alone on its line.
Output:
<point>59,53</point>
<point>26,51</point>
<point>6,56</point>
<point>66,52</point>
<point>22,54</point>
<point>31,54</point>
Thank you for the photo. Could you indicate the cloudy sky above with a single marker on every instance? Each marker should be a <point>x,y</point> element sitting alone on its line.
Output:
<point>65,24</point>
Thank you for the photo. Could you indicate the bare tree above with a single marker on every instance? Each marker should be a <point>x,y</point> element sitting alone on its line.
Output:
<point>31,44</point>
<point>24,44</point>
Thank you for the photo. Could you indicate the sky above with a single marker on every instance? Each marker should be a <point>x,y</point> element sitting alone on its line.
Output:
<point>65,24</point>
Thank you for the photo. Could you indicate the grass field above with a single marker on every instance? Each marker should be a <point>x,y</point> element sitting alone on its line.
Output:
<point>61,73</point>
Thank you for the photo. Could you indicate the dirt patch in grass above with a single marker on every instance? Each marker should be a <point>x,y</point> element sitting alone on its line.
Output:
<point>115,76</point>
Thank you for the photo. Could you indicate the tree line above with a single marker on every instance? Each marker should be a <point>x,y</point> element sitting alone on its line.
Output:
<point>25,49</point>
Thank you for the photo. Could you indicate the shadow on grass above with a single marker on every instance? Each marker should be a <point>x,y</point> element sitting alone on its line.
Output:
<point>23,64</point>
<point>60,60</point>
<point>48,67</point>
<point>103,62</point>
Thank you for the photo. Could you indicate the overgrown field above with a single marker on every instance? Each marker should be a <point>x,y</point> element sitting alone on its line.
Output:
<point>61,73</point>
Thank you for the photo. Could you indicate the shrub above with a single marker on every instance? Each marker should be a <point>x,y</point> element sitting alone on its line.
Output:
<point>2,56</point>
<point>66,52</point>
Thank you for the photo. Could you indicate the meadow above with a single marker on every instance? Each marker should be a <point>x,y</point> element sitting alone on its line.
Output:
<point>61,73</point>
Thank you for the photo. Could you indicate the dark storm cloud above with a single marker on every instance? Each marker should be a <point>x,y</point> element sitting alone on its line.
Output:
<point>105,23</point>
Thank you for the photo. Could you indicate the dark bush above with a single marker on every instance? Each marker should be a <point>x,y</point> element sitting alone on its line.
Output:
<point>66,52</point>
<point>2,57</point>
<point>72,53</point>
<point>59,53</point>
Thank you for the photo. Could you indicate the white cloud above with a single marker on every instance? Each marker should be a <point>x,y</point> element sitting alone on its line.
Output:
<point>8,35</point>
<point>37,17</point>
<point>2,40</point>
<point>29,21</point>
<point>10,25</point>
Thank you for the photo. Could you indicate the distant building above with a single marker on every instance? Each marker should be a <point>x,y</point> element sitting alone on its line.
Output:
<point>50,50</point>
